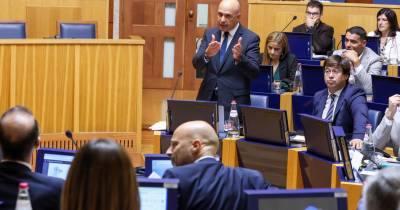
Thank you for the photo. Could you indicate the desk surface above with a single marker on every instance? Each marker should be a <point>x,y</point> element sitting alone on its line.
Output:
<point>136,41</point>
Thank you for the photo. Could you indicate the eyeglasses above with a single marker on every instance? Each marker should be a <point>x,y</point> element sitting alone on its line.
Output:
<point>228,17</point>
<point>332,71</point>
<point>312,14</point>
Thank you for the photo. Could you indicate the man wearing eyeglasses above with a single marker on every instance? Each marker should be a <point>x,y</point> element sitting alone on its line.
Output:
<point>322,33</point>
<point>342,103</point>
<point>229,55</point>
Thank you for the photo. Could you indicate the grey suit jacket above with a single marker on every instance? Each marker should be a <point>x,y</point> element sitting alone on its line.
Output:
<point>371,63</point>
<point>386,133</point>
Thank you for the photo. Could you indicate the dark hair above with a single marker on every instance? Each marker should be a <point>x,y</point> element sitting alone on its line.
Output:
<point>359,31</point>
<point>101,177</point>
<point>19,146</point>
<point>314,3</point>
<point>281,39</point>
<point>382,191</point>
<point>392,19</point>
<point>338,62</point>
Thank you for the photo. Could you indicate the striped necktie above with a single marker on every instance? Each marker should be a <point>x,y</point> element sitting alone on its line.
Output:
<point>329,115</point>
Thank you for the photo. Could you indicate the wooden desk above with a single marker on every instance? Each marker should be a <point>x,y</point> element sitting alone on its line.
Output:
<point>81,85</point>
<point>354,191</point>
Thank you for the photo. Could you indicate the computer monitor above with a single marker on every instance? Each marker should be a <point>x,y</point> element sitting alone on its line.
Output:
<point>383,87</point>
<point>319,136</point>
<point>54,162</point>
<point>265,125</point>
<point>313,79</point>
<point>300,44</point>
<point>262,84</point>
<point>304,199</point>
<point>160,194</point>
<point>157,163</point>
<point>181,111</point>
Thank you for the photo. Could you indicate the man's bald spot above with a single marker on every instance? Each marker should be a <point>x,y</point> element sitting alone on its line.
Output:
<point>17,125</point>
<point>198,130</point>
<point>232,5</point>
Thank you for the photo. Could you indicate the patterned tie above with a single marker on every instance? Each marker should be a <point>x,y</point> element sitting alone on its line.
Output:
<point>223,48</point>
<point>329,115</point>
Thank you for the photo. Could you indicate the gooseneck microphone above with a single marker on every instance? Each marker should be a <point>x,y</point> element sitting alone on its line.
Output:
<point>69,135</point>
<point>176,85</point>
<point>293,18</point>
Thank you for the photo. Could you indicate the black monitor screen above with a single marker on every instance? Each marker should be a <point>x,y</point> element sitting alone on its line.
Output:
<point>265,124</point>
<point>319,137</point>
<point>180,111</point>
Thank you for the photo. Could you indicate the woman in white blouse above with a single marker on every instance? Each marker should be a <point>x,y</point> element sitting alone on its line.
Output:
<point>388,32</point>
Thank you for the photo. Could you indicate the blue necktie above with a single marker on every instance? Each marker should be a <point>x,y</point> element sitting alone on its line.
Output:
<point>223,48</point>
<point>329,115</point>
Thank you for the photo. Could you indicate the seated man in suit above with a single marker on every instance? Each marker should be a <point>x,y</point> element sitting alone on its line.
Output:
<point>204,183</point>
<point>365,61</point>
<point>19,134</point>
<point>342,103</point>
<point>229,55</point>
<point>389,128</point>
<point>322,33</point>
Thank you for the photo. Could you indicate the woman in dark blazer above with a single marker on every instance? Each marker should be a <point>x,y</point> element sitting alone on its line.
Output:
<point>284,63</point>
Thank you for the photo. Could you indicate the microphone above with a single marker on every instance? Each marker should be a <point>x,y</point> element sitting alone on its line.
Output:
<point>293,18</point>
<point>68,134</point>
<point>176,85</point>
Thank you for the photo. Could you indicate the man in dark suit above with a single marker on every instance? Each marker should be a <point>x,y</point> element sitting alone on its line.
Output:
<point>342,103</point>
<point>230,57</point>
<point>204,183</point>
<point>322,33</point>
<point>19,134</point>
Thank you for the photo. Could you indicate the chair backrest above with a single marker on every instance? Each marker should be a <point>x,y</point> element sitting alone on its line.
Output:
<point>77,30</point>
<point>12,30</point>
<point>374,117</point>
<point>260,101</point>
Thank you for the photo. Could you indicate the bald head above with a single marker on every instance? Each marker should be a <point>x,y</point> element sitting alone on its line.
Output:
<point>228,14</point>
<point>191,141</point>
<point>18,133</point>
<point>230,5</point>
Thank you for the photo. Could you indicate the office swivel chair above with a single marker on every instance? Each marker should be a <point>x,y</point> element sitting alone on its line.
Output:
<point>260,101</point>
<point>77,30</point>
<point>12,30</point>
<point>374,117</point>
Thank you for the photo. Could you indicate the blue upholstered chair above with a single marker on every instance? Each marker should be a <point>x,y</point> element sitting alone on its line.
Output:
<point>77,30</point>
<point>260,101</point>
<point>374,117</point>
<point>12,30</point>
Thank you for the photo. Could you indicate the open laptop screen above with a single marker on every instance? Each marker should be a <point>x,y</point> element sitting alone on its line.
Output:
<point>160,194</point>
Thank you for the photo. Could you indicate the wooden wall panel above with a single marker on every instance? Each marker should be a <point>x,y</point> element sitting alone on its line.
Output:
<point>81,85</point>
<point>268,16</point>
<point>41,16</point>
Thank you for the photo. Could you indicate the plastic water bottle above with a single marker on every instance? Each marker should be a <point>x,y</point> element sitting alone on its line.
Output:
<point>23,200</point>
<point>368,143</point>
<point>297,83</point>
<point>234,126</point>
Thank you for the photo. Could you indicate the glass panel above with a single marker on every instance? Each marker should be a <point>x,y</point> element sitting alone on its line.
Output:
<point>168,64</point>
<point>170,12</point>
<point>202,15</point>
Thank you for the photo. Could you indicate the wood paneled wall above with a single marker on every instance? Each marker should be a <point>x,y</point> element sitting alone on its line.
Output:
<point>268,16</point>
<point>82,85</point>
<point>41,16</point>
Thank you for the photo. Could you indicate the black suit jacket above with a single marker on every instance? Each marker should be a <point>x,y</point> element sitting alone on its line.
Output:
<point>351,110</point>
<point>287,69</point>
<point>44,192</point>
<point>232,79</point>
<point>322,37</point>
<point>208,184</point>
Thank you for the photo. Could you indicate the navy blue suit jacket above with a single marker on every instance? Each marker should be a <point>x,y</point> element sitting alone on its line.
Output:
<point>232,80</point>
<point>44,192</point>
<point>351,110</point>
<point>208,184</point>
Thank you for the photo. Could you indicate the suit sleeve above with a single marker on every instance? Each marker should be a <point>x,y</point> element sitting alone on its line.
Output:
<point>198,59</point>
<point>381,135</point>
<point>359,112</point>
<point>363,74</point>
<point>168,174</point>
<point>322,39</point>
<point>250,61</point>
